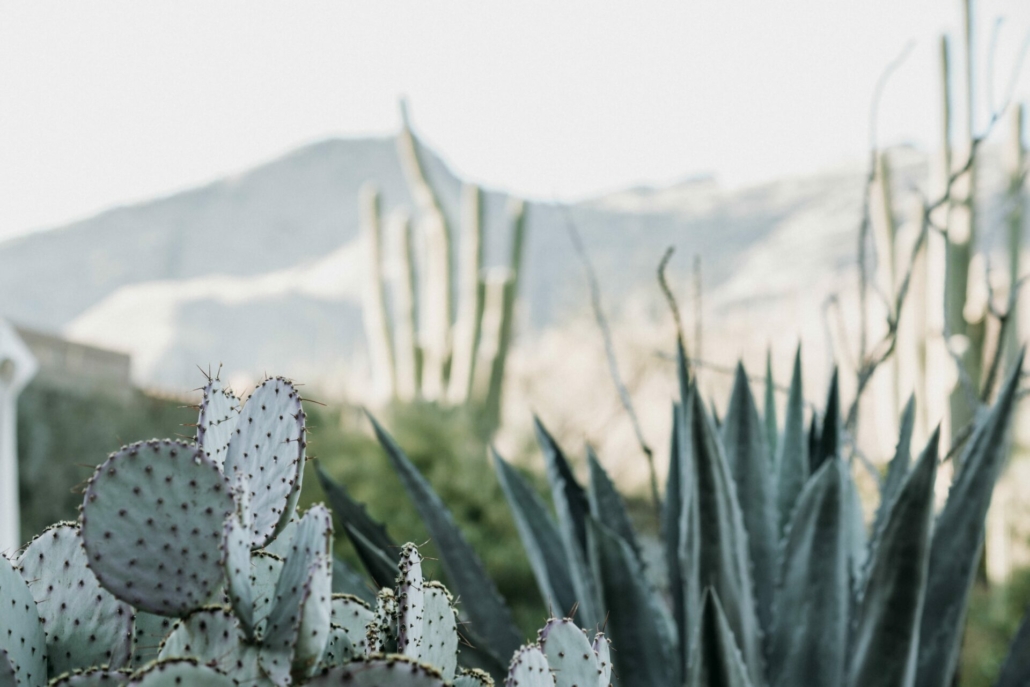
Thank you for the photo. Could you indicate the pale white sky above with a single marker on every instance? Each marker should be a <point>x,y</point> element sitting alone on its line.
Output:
<point>104,103</point>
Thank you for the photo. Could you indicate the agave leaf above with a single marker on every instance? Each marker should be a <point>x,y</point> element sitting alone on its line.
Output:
<point>811,631</point>
<point>347,580</point>
<point>377,551</point>
<point>489,615</point>
<point>607,506</point>
<point>886,631</point>
<point>539,537</point>
<point>772,432</point>
<point>716,659</point>
<point>573,508</point>
<point>792,458</point>
<point>830,439</point>
<point>958,540</point>
<point>857,539</point>
<point>1015,672</point>
<point>897,470</point>
<point>742,435</point>
<point>677,493</point>
<point>639,623</point>
<point>722,560</point>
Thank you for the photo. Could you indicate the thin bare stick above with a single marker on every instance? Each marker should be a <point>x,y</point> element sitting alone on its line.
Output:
<point>609,349</point>
<point>669,297</point>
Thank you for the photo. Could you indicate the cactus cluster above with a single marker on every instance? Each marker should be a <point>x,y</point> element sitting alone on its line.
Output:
<point>424,347</point>
<point>772,576</point>
<point>190,565</point>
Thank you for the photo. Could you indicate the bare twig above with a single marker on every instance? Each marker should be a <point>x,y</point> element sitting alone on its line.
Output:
<point>609,349</point>
<point>669,297</point>
<point>863,229</point>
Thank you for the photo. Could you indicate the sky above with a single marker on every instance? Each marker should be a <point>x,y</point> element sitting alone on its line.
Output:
<point>107,102</point>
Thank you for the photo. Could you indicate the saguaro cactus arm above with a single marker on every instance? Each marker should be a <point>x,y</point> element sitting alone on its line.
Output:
<point>470,300</point>
<point>376,319</point>
<point>517,214</point>
<point>405,343</point>
<point>436,295</point>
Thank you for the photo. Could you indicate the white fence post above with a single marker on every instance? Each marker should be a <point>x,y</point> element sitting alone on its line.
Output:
<point>17,367</point>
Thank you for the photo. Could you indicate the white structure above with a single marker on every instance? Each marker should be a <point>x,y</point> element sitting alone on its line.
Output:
<point>17,367</point>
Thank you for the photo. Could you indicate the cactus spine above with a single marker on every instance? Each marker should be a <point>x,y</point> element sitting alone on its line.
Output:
<point>377,324</point>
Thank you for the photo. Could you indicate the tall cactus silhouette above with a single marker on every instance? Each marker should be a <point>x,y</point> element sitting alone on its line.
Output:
<point>434,350</point>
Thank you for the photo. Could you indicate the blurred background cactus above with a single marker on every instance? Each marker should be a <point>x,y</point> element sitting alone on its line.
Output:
<point>437,332</point>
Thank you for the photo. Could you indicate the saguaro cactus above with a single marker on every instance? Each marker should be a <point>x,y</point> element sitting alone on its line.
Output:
<point>377,324</point>
<point>434,356</point>
<point>964,329</point>
<point>17,368</point>
<point>408,355</point>
<point>517,215</point>
<point>436,294</point>
<point>470,301</point>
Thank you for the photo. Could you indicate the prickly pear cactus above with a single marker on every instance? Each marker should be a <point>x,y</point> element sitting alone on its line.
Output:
<point>219,414</point>
<point>570,654</point>
<point>164,581</point>
<point>529,668</point>
<point>267,446</point>
<point>152,524</point>
<point>85,625</point>
<point>21,632</point>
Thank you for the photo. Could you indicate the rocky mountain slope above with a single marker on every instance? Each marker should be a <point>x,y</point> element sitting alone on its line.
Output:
<point>262,271</point>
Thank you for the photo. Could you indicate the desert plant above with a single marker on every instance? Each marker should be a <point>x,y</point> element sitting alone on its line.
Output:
<point>455,359</point>
<point>189,564</point>
<point>771,575</point>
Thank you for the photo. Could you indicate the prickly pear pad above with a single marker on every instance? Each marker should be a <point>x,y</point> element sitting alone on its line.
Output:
<point>339,650</point>
<point>152,526</point>
<point>219,413</point>
<point>177,673</point>
<point>569,654</point>
<point>85,625</point>
<point>212,635</point>
<point>473,677</point>
<point>315,619</point>
<point>149,631</point>
<point>353,616</point>
<point>264,574</point>
<point>94,677</point>
<point>379,671</point>
<point>603,651</point>
<point>21,632</point>
<point>439,646</point>
<point>529,668</point>
<point>268,447</point>
<point>236,552</point>
<point>410,602</point>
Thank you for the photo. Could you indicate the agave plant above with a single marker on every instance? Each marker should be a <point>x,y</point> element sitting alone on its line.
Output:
<point>771,576</point>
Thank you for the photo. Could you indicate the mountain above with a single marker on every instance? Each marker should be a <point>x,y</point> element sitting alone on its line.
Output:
<point>262,270</point>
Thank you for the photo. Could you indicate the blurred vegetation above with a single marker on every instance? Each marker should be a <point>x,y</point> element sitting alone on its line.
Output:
<point>446,445</point>
<point>63,436</point>
<point>994,616</point>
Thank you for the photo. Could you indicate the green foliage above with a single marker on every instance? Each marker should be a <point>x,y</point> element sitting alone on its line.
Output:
<point>845,606</point>
<point>443,444</point>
